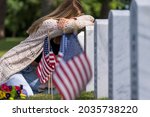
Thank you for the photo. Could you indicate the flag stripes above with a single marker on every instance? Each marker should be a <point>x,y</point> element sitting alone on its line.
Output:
<point>52,59</point>
<point>68,80</point>
<point>76,75</point>
<point>47,63</point>
<point>71,77</point>
<point>44,69</point>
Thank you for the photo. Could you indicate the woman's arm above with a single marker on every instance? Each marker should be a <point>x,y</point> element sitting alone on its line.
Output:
<point>55,28</point>
<point>74,24</point>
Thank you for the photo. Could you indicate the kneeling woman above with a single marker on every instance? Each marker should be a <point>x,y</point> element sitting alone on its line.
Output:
<point>16,66</point>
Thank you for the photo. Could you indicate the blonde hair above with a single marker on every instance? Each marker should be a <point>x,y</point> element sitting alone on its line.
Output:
<point>68,9</point>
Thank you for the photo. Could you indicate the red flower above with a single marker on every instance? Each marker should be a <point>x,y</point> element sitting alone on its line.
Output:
<point>17,88</point>
<point>4,87</point>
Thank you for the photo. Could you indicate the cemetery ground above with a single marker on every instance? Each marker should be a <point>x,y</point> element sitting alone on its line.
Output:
<point>8,43</point>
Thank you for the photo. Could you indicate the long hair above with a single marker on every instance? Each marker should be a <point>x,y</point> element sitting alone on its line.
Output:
<point>68,9</point>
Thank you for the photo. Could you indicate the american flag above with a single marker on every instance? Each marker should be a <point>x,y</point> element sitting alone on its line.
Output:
<point>47,63</point>
<point>63,46</point>
<point>49,59</point>
<point>72,75</point>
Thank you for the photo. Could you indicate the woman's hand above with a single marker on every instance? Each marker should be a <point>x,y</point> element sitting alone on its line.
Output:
<point>76,23</point>
<point>62,22</point>
<point>67,25</point>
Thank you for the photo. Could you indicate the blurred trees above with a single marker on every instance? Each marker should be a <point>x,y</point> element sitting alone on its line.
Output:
<point>2,18</point>
<point>22,13</point>
<point>49,5</point>
<point>120,4</point>
<point>105,9</point>
<point>46,6</point>
<point>100,8</point>
<point>92,7</point>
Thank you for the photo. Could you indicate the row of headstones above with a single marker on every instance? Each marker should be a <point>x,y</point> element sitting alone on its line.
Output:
<point>118,49</point>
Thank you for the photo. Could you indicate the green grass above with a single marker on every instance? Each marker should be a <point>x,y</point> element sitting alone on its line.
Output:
<point>44,97</point>
<point>8,43</point>
<point>84,96</point>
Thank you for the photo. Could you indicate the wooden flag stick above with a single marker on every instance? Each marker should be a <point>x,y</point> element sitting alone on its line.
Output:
<point>49,85</point>
<point>52,93</point>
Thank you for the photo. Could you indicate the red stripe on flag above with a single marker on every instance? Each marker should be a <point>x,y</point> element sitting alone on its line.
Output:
<point>83,83</point>
<point>48,68</point>
<point>83,66</point>
<point>38,70</point>
<point>89,66</point>
<point>62,82</point>
<point>76,74</point>
<point>64,69</point>
<point>78,87</point>
<point>71,77</point>
<point>60,90</point>
<point>44,72</point>
<point>81,69</point>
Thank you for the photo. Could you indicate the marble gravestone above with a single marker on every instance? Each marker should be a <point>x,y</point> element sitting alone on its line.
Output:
<point>101,58</point>
<point>119,55</point>
<point>140,49</point>
<point>89,48</point>
<point>81,38</point>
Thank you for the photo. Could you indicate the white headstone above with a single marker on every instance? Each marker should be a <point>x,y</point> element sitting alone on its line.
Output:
<point>89,47</point>
<point>101,58</point>
<point>81,38</point>
<point>119,55</point>
<point>140,49</point>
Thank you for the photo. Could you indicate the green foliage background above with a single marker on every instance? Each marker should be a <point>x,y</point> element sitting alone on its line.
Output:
<point>21,13</point>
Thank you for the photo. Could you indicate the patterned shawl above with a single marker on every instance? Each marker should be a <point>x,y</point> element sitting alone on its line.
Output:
<point>28,50</point>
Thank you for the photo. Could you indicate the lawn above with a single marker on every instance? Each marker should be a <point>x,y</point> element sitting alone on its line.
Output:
<point>8,43</point>
<point>84,96</point>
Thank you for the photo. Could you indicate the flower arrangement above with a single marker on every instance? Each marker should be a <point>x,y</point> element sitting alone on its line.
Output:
<point>12,92</point>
